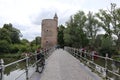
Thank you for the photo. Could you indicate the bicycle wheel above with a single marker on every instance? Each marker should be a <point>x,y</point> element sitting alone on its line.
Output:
<point>40,67</point>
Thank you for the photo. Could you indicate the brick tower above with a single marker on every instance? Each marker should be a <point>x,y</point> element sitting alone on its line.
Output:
<point>49,32</point>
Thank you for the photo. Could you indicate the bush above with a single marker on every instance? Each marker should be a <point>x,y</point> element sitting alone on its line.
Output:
<point>4,46</point>
<point>34,47</point>
<point>14,48</point>
<point>110,51</point>
<point>23,48</point>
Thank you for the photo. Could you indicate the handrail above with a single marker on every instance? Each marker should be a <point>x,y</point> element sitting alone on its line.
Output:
<point>88,59</point>
<point>46,52</point>
<point>14,62</point>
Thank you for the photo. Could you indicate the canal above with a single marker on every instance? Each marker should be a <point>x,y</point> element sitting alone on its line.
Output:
<point>17,71</point>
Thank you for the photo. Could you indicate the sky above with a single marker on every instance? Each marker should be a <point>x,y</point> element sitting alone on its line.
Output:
<point>26,15</point>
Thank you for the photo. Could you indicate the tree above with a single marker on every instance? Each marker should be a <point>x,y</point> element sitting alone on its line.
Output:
<point>24,41</point>
<point>5,35</point>
<point>13,32</point>
<point>98,40</point>
<point>9,39</point>
<point>106,46</point>
<point>4,46</point>
<point>38,40</point>
<point>105,20</point>
<point>36,43</point>
<point>92,28</point>
<point>69,32</point>
<point>115,21</point>
<point>60,38</point>
<point>74,34</point>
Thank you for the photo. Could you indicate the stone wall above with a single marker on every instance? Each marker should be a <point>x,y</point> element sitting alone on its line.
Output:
<point>49,33</point>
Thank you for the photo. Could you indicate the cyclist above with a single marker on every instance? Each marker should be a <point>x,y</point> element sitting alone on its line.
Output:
<point>41,63</point>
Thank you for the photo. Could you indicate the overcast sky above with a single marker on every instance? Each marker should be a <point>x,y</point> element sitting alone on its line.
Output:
<point>26,15</point>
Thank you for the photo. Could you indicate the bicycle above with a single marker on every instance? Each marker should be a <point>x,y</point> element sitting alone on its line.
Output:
<point>40,65</point>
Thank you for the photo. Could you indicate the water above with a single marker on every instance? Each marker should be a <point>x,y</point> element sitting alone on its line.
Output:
<point>113,66</point>
<point>17,71</point>
<point>14,74</point>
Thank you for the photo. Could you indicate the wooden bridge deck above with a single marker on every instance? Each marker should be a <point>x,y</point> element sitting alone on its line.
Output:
<point>63,66</point>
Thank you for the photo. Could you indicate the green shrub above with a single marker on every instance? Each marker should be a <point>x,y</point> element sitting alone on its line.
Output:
<point>23,48</point>
<point>14,48</point>
<point>33,48</point>
<point>4,46</point>
<point>110,51</point>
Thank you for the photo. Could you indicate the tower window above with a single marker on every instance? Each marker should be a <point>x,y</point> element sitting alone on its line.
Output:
<point>46,41</point>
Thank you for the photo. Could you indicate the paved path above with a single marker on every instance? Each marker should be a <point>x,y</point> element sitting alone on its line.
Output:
<point>63,66</point>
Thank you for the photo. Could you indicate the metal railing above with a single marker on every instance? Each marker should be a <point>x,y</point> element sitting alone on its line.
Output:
<point>107,68</point>
<point>30,62</point>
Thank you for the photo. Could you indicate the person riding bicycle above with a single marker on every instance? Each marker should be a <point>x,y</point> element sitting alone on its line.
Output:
<point>40,57</point>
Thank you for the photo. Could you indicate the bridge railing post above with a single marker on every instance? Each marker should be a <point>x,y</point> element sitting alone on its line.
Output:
<point>71,51</point>
<point>92,54</point>
<point>27,64</point>
<point>106,64</point>
<point>74,53</point>
<point>78,53</point>
<point>1,69</point>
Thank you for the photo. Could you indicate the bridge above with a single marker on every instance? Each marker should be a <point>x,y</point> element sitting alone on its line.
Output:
<point>67,64</point>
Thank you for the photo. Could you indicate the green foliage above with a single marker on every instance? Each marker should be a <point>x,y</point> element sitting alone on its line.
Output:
<point>24,42</point>
<point>11,44</point>
<point>14,33</point>
<point>4,46</point>
<point>10,40</point>
<point>92,27</point>
<point>82,30</point>
<point>74,34</point>
<point>5,35</point>
<point>109,51</point>
<point>105,20</point>
<point>34,48</point>
<point>104,51</point>
<point>35,44</point>
<point>110,21</point>
<point>61,29</point>
<point>13,56</point>
<point>107,46</point>
<point>107,41</point>
<point>115,19</point>
<point>38,40</point>
<point>98,40</point>
<point>14,48</point>
<point>19,48</point>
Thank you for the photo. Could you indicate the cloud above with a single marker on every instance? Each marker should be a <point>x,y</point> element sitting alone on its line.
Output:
<point>26,15</point>
<point>48,13</point>
<point>44,14</point>
<point>29,31</point>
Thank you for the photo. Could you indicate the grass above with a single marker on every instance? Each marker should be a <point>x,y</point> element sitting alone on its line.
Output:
<point>9,55</point>
<point>116,57</point>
